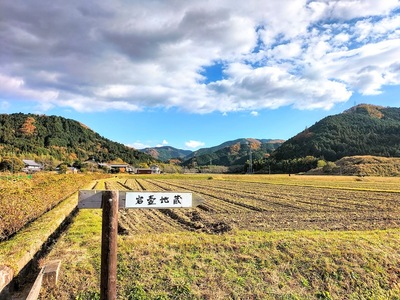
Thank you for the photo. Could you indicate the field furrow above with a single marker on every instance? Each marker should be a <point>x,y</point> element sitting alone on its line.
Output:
<point>207,191</point>
<point>214,203</point>
<point>296,196</point>
<point>269,206</point>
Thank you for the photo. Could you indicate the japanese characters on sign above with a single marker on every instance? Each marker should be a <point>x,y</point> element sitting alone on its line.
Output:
<point>158,200</point>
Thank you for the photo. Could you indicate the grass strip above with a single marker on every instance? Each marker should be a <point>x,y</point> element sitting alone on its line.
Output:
<point>238,265</point>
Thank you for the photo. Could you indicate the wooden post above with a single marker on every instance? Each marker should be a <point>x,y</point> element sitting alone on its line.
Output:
<point>110,201</point>
<point>108,282</point>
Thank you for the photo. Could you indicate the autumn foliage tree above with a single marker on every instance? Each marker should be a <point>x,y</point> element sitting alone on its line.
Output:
<point>28,127</point>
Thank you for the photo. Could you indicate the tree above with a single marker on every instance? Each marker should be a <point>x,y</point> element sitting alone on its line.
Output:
<point>329,167</point>
<point>63,168</point>
<point>143,165</point>
<point>28,127</point>
<point>11,164</point>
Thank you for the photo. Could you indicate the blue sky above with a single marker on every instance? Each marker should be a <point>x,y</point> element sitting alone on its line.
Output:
<point>192,74</point>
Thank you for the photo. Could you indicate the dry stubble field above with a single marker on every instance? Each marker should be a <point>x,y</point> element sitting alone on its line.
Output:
<point>231,204</point>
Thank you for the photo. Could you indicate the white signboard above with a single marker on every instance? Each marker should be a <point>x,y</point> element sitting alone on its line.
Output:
<point>158,200</point>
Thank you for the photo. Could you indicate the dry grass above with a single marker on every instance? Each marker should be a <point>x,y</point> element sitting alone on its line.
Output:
<point>24,200</point>
<point>240,265</point>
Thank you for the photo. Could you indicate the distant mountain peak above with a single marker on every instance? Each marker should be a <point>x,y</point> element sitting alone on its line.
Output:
<point>374,111</point>
<point>165,153</point>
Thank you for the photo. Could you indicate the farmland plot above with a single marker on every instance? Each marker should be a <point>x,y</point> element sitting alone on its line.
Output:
<point>260,206</point>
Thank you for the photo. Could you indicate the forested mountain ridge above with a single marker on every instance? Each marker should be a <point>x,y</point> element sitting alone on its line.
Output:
<point>270,144</point>
<point>231,153</point>
<point>361,130</point>
<point>58,138</point>
<point>166,153</point>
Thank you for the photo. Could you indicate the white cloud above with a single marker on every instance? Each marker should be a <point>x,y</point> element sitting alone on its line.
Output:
<point>16,87</point>
<point>367,68</point>
<point>194,144</point>
<point>164,143</point>
<point>130,56</point>
<point>349,9</point>
<point>4,105</point>
<point>254,113</point>
<point>139,145</point>
<point>272,87</point>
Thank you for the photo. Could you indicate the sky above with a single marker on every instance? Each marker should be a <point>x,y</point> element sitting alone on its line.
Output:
<point>194,74</point>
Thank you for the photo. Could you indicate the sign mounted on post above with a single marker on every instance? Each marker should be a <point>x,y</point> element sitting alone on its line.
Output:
<point>110,202</point>
<point>154,200</point>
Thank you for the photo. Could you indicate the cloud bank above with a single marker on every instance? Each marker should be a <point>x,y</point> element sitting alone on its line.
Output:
<point>137,55</point>
<point>194,144</point>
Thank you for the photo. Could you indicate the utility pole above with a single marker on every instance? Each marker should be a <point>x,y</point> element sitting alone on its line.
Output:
<point>12,154</point>
<point>251,162</point>
<point>250,159</point>
<point>12,162</point>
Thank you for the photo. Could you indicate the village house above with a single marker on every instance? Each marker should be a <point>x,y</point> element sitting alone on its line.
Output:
<point>120,168</point>
<point>31,166</point>
<point>143,171</point>
<point>155,169</point>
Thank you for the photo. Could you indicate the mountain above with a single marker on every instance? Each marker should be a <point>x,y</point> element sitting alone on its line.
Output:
<point>362,130</point>
<point>166,153</point>
<point>57,138</point>
<point>230,153</point>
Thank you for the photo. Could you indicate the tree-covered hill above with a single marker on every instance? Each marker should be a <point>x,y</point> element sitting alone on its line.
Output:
<point>231,153</point>
<point>361,130</point>
<point>57,138</point>
<point>166,153</point>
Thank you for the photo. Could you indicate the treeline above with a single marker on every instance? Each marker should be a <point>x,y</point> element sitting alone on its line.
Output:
<point>53,138</point>
<point>270,165</point>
